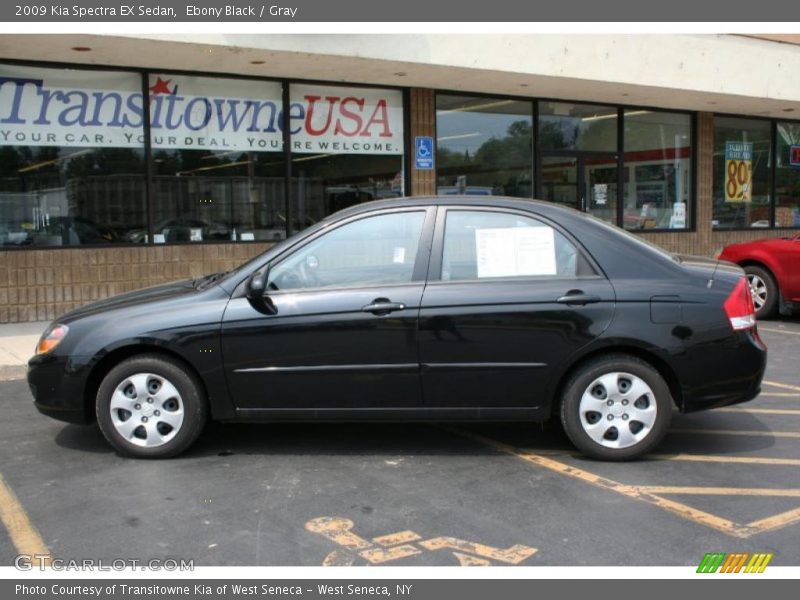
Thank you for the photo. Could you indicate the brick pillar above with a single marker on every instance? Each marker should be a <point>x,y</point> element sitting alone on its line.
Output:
<point>422,113</point>
<point>705,182</point>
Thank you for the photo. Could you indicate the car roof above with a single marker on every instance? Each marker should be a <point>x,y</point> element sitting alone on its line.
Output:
<point>524,204</point>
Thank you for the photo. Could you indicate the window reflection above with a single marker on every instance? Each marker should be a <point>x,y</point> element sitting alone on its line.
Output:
<point>484,146</point>
<point>71,172</point>
<point>657,173</point>
<point>217,160</point>
<point>566,126</point>
<point>346,148</point>
<point>787,175</point>
<point>752,208</point>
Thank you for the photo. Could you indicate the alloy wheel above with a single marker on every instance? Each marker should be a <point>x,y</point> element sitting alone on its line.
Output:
<point>758,289</point>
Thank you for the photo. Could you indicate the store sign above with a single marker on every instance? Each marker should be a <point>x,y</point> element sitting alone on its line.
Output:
<point>44,107</point>
<point>738,171</point>
<point>342,120</point>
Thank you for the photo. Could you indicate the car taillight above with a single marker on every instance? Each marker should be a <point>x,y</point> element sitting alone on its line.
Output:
<point>739,307</point>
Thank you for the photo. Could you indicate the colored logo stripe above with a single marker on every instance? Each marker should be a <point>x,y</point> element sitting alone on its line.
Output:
<point>711,562</point>
<point>733,563</point>
<point>758,563</point>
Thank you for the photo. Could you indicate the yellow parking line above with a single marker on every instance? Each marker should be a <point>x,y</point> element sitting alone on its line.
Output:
<point>677,508</point>
<point>785,386</point>
<point>779,394</point>
<point>742,460</point>
<point>23,534</point>
<point>777,434</point>
<point>761,411</point>
<point>774,522</point>
<point>778,331</point>
<point>717,491</point>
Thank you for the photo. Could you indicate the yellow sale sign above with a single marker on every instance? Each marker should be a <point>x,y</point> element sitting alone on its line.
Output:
<point>738,172</point>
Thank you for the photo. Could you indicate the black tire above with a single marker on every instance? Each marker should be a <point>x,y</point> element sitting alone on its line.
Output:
<point>770,302</point>
<point>615,367</point>
<point>189,400</point>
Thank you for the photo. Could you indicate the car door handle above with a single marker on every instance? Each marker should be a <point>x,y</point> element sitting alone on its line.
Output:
<point>382,306</point>
<point>578,298</point>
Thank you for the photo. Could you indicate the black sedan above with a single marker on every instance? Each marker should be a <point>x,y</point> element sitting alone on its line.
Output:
<point>417,309</point>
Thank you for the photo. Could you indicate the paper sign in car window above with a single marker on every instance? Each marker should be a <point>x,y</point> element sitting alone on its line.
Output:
<point>515,252</point>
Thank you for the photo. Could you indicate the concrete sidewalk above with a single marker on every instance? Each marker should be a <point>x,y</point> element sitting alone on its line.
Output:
<point>18,342</point>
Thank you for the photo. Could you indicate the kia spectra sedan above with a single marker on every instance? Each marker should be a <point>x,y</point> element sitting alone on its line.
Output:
<point>443,309</point>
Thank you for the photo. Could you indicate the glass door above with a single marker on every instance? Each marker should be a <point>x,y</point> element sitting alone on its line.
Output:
<point>586,181</point>
<point>560,180</point>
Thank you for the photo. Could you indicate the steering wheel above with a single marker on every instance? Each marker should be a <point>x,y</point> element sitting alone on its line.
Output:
<point>307,276</point>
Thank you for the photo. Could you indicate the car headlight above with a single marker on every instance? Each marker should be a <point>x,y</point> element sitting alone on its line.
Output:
<point>51,338</point>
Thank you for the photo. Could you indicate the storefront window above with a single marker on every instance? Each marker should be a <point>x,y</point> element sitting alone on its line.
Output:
<point>484,146</point>
<point>787,175</point>
<point>71,157</point>
<point>657,170</point>
<point>217,147</point>
<point>587,127</point>
<point>741,173</point>
<point>346,148</point>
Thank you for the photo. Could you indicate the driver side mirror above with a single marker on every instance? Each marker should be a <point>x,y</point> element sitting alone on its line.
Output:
<point>256,292</point>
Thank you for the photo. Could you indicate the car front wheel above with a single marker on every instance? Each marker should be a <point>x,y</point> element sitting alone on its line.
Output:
<point>764,291</point>
<point>150,407</point>
<point>616,407</point>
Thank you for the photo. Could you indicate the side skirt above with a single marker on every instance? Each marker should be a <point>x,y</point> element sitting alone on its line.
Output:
<point>538,413</point>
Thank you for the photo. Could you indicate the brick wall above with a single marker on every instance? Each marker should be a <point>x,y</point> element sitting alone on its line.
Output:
<point>39,285</point>
<point>423,122</point>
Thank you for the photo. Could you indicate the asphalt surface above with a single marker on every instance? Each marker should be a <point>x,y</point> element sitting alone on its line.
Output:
<point>722,481</point>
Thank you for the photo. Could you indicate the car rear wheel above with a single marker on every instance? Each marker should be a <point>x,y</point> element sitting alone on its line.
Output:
<point>150,407</point>
<point>764,291</point>
<point>616,407</point>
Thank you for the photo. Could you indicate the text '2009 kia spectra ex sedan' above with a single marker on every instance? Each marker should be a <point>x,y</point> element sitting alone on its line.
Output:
<point>417,309</point>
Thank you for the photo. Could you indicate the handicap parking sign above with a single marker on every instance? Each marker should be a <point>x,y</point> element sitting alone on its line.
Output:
<point>423,152</point>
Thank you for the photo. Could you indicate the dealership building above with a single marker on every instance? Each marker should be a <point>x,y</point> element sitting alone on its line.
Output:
<point>132,160</point>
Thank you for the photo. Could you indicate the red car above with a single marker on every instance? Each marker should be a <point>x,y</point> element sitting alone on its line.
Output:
<point>773,270</point>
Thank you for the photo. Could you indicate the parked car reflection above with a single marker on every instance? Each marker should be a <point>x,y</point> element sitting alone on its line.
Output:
<point>61,231</point>
<point>182,230</point>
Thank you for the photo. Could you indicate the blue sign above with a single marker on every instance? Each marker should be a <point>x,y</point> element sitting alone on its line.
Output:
<point>423,152</point>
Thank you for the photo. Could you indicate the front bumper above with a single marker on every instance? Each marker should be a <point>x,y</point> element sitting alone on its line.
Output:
<point>58,384</point>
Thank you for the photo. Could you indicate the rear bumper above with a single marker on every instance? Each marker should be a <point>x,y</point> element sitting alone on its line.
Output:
<point>58,388</point>
<point>732,376</point>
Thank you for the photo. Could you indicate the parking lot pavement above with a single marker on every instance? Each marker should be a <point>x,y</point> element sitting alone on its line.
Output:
<point>413,494</point>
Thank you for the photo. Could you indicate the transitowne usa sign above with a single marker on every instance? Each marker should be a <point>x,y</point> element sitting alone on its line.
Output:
<point>46,107</point>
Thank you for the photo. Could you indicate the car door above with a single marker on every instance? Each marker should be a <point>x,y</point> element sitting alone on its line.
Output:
<point>342,331</point>
<point>509,298</point>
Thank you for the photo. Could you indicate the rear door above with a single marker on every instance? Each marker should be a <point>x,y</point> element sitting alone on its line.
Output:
<point>509,297</point>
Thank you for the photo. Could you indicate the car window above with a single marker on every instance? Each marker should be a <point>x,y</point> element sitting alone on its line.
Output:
<point>371,251</point>
<point>484,244</point>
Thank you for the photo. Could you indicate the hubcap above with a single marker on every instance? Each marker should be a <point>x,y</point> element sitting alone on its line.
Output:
<point>618,410</point>
<point>758,289</point>
<point>146,410</point>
